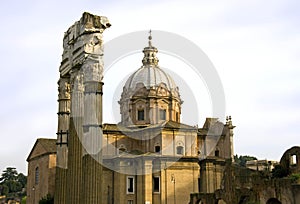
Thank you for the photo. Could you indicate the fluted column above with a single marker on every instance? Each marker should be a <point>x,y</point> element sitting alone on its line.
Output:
<point>74,174</point>
<point>92,129</point>
<point>79,139</point>
<point>62,139</point>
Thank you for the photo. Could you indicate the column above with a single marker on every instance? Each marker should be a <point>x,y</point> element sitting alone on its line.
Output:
<point>62,139</point>
<point>92,130</point>
<point>74,175</point>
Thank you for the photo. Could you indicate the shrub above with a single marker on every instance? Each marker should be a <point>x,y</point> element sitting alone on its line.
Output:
<point>48,199</point>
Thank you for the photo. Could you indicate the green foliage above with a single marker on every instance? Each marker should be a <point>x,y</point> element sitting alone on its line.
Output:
<point>295,177</point>
<point>10,174</point>
<point>48,199</point>
<point>241,160</point>
<point>4,189</point>
<point>12,183</point>
<point>22,179</point>
<point>23,201</point>
<point>279,171</point>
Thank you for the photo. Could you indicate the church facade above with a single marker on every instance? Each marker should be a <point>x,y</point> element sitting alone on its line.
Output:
<point>149,156</point>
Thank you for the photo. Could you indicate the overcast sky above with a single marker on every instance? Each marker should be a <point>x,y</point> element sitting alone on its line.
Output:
<point>253,44</point>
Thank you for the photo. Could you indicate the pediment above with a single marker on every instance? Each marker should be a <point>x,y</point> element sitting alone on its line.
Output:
<point>42,147</point>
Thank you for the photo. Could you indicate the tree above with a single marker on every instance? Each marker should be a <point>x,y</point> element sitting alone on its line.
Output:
<point>241,160</point>
<point>279,171</point>
<point>3,189</point>
<point>12,183</point>
<point>22,179</point>
<point>10,174</point>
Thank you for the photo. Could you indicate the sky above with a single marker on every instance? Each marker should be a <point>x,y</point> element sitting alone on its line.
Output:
<point>254,46</point>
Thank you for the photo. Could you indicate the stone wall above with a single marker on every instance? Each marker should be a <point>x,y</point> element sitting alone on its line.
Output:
<point>46,178</point>
<point>241,185</point>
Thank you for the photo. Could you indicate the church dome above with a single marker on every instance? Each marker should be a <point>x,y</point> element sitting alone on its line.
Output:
<point>150,95</point>
<point>150,76</point>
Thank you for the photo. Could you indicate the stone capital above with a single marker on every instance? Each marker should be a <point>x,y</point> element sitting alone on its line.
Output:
<point>64,88</point>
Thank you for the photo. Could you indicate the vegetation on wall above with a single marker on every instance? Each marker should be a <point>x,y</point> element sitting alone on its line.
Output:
<point>279,171</point>
<point>241,160</point>
<point>295,177</point>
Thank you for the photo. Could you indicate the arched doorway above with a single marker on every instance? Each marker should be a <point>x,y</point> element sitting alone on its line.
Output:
<point>273,201</point>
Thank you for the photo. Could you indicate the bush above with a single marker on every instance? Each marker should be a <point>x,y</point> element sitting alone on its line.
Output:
<point>295,177</point>
<point>279,171</point>
<point>23,201</point>
<point>48,199</point>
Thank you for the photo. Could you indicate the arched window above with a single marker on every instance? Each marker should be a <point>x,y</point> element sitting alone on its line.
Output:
<point>141,115</point>
<point>293,160</point>
<point>162,114</point>
<point>179,150</point>
<point>37,175</point>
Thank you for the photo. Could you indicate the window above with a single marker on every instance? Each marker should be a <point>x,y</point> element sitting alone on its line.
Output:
<point>217,153</point>
<point>293,159</point>
<point>157,148</point>
<point>177,117</point>
<point>156,184</point>
<point>179,150</point>
<point>130,202</point>
<point>141,115</point>
<point>162,114</point>
<point>130,185</point>
<point>37,175</point>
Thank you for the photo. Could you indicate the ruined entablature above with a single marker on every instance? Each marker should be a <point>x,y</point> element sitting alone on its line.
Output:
<point>82,39</point>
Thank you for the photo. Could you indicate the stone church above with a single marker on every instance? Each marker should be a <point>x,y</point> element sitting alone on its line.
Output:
<point>149,156</point>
